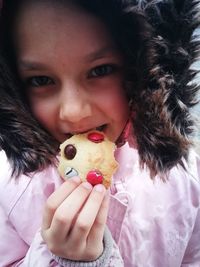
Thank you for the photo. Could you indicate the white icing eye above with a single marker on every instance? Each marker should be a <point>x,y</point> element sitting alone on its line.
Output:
<point>70,172</point>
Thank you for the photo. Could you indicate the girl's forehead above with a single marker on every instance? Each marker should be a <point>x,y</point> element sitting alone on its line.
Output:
<point>70,31</point>
<point>46,15</point>
<point>58,5</point>
<point>38,21</point>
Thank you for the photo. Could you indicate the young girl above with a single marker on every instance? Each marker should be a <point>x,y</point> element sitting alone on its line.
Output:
<point>122,67</point>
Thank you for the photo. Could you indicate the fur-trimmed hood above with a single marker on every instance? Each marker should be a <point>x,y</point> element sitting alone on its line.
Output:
<point>163,106</point>
<point>159,84</point>
<point>27,146</point>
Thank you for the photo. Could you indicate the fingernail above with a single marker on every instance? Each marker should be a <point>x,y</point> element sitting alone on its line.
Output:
<point>87,185</point>
<point>76,179</point>
<point>99,188</point>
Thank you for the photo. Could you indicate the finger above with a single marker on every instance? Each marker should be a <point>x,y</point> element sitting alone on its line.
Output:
<point>69,209</point>
<point>56,198</point>
<point>98,228</point>
<point>88,214</point>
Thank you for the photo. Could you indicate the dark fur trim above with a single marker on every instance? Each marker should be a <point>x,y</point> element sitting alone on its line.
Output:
<point>163,123</point>
<point>23,140</point>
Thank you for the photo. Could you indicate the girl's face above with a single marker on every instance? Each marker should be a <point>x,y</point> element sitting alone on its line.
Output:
<point>72,71</point>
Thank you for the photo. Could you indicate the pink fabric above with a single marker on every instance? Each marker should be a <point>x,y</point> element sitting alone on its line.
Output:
<point>161,225</point>
<point>153,223</point>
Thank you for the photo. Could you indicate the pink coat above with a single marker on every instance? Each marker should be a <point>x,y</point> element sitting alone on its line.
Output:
<point>153,223</point>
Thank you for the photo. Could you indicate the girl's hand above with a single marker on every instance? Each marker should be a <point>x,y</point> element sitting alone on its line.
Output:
<point>74,220</point>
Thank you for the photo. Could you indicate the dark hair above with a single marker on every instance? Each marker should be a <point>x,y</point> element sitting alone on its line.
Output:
<point>156,39</point>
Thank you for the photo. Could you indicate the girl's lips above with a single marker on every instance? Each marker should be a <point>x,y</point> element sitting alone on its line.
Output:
<point>99,128</point>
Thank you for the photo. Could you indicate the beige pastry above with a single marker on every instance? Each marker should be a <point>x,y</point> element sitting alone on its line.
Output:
<point>89,156</point>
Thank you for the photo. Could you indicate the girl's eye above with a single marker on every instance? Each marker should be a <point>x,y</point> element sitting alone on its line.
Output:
<point>101,71</point>
<point>38,81</point>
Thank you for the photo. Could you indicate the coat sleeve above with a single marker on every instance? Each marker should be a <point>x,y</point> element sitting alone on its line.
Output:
<point>110,257</point>
<point>15,252</point>
<point>21,207</point>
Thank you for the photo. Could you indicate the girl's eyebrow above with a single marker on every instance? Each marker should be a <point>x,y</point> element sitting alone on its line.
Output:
<point>31,65</point>
<point>92,56</point>
<point>101,53</point>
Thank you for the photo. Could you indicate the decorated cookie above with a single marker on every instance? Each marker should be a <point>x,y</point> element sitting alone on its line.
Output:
<point>89,156</point>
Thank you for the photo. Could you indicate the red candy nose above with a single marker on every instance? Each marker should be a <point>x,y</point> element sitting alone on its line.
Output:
<point>94,177</point>
<point>96,137</point>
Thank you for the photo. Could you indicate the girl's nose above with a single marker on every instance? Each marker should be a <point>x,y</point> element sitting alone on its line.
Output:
<point>74,105</point>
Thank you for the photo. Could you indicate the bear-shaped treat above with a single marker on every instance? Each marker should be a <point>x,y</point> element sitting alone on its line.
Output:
<point>89,156</point>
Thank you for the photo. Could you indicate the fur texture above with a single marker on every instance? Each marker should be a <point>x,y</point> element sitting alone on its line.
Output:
<point>156,38</point>
<point>27,146</point>
<point>163,105</point>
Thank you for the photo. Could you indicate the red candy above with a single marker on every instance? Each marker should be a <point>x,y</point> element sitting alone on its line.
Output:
<point>96,137</point>
<point>94,177</point>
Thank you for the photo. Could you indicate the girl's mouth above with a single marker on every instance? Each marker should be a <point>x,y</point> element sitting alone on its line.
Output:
<point>99,128</point>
